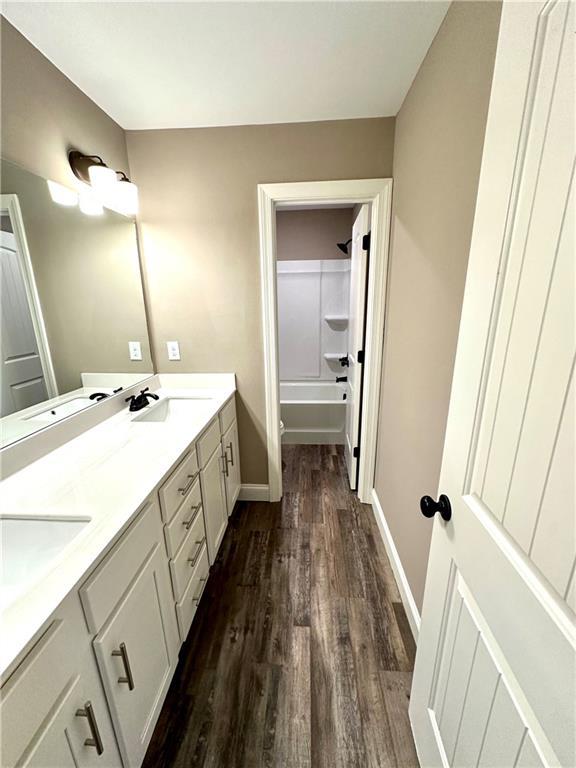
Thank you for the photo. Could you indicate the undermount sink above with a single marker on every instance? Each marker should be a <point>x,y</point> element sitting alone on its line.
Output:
<point>175,409</point>
<point>28,545</point>
<point>61,411</point>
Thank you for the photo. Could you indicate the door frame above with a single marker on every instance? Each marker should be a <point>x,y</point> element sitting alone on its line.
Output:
<point>10,205</point>
<point>312,194</point>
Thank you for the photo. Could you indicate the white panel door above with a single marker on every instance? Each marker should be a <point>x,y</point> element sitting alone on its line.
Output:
<point>356,328</point>
<point>22,376</point>
<point>495,676</point>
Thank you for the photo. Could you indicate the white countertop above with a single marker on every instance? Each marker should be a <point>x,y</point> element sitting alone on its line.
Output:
<point>105,474</point>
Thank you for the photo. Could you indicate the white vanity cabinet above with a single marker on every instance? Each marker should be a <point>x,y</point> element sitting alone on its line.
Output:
<point>128,605</point>
<point>52,709</point>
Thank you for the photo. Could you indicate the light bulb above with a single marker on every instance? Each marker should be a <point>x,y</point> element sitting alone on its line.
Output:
<point>90,204</point>
<point>124,198</point>
<point>102,179</point>
<point>62,195</point>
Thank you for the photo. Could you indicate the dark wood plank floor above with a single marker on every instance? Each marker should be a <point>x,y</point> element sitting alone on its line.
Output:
<point>300,653</point>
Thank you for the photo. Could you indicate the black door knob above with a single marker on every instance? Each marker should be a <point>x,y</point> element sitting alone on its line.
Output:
<point>429,507</point>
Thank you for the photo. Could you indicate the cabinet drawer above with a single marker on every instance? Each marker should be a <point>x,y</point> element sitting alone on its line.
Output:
<point>103,590</point>
<point>186,608</point>
<point>178,485</point>
<point>176,531</point>
<point>227,415</point>
<point>187,558</point>
<point>208,443</point>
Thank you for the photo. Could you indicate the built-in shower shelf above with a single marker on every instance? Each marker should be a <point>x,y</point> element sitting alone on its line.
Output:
<point>333,356</point>
<point>336,318</point>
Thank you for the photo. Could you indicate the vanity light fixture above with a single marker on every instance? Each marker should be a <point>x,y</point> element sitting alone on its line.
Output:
<point>62,195</point>
<point>113,188</point>
<point>90,204</point>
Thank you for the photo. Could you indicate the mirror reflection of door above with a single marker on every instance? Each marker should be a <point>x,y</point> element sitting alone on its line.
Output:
<point>22,376</point>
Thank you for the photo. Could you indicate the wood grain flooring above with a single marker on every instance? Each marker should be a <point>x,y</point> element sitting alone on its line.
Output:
<point>300,653</point>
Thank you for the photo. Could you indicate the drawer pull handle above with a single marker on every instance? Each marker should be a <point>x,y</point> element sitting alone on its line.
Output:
<point>123,653</point>
<point>202,583</point>
<point>95,741</point>
<point>199,544</point>
<point>224,458</point>
<point>188,485</point>
<point>231,453</point>
<point>189,523</point>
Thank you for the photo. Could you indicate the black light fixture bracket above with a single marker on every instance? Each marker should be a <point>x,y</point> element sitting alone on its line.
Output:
<point>80,165</point>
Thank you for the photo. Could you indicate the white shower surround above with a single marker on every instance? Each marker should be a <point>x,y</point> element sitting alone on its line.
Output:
<point>309,292</point>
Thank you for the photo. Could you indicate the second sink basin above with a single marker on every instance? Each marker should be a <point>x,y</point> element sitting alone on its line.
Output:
<point>174,409</point>
<point>28,545</point>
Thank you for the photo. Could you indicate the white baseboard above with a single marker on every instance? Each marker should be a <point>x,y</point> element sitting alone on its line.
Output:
<point>399,574</point>
<point>253,492</point>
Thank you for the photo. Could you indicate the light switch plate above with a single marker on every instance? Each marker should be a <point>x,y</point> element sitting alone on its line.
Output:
<point>173,350</point>
<point>135,349</point>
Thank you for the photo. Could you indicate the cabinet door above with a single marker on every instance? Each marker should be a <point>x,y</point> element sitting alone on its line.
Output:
<point>43,707</point>
<point>232,452</point>
<point>214,502</point>
<point>137,654</point>
<point>71,725</point>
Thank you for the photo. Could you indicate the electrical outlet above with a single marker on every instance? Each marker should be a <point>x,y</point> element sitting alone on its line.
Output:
<point>173,350</point>
<point>135,349</point>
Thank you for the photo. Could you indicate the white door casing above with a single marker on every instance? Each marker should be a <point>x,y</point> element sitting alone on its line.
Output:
<point>494,682</point>
<point>378,193</point>
<point>356,314</point>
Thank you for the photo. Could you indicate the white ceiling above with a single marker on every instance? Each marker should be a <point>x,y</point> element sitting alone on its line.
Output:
<point>189,64</point>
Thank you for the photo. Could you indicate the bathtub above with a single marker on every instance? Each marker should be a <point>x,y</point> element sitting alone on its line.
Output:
<point>313,412</point>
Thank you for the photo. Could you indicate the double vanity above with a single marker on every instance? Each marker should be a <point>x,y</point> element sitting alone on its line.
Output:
<point>107,546</point>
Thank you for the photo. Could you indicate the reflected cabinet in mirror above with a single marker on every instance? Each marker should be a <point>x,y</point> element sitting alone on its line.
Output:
<point>73,321</point>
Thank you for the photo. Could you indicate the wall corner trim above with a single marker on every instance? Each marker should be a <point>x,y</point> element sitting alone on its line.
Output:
<point>399,574</point>
<point>254,492</point>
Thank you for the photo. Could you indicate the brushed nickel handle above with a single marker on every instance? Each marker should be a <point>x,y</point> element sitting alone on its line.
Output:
<point>188,485</point>
<point>195,509</point>
<point>95,741</point>
<point>199,544</point>
<point>224,458</point>
<point>203,582</point>
<point>123,653</point>
<point>231,453</point>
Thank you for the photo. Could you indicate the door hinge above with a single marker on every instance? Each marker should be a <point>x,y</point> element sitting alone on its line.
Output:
<point>356,452</point>
<point>366,241</point>
<point>360,357</point>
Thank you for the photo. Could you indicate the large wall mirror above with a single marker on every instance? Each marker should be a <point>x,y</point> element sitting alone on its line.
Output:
<point>72,309</point>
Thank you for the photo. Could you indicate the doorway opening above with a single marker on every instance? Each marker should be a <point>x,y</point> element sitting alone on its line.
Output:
<point>323,319</point>
<point>322,270</point>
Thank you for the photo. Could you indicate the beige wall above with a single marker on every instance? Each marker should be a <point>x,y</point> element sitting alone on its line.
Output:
<point>312,234</point>
<point>199,222</point>
<point>438,147</point>
<point>44,114</point>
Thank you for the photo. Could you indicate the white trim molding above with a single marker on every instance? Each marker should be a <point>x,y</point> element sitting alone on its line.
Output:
<point>254,492</point>
<point>271,197</point>
<point>399,574</point>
